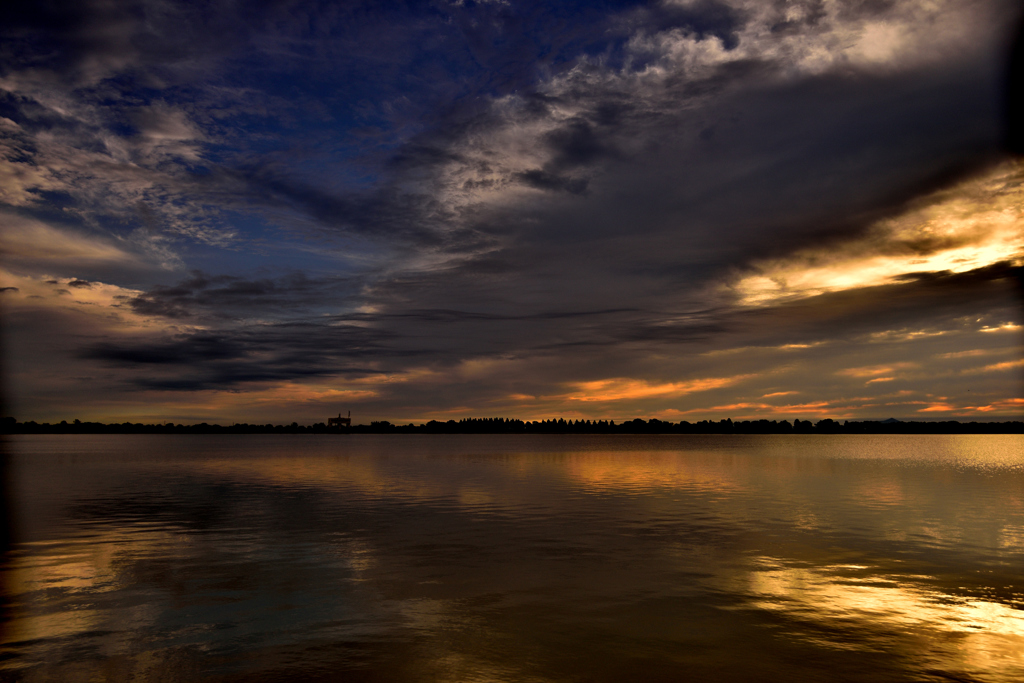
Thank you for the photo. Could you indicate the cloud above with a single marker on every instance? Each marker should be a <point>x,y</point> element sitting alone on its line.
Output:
<point>99,307</point>
<point>201,359</point>
<point>970,226</point>
<point>937,408</point>
<point>745,409</point>
<point>26,240</point>
<point>965,354</point>
<point>205,296</point>
<point>1005,327</point>
<point>619,389</point>
<point>165,133</point>
<point>544,180</point>
<point>875,370</point>
<point>525,206</point>
<point>999,367</point>
<point>1015,404</point>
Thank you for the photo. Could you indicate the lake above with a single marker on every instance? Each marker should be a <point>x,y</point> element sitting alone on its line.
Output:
<point>514,558</point>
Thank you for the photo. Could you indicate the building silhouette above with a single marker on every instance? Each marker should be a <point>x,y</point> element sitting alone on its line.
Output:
<point>340,421</point>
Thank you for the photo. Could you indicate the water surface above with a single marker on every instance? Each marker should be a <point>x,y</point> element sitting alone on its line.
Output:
<point>514,558</point>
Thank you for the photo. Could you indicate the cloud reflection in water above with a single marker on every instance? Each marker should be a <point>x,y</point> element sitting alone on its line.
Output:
<point>548,559</point>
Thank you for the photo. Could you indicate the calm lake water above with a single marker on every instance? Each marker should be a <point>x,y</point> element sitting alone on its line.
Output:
<point>514,558</point>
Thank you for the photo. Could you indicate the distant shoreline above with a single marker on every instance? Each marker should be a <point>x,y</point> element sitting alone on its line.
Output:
<point>511,426</point>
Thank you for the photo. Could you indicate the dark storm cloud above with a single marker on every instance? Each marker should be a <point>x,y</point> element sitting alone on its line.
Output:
<point>197,348</point>
<point>544,180</point>
<point>703,19</point>
<point>32,117</point>
<point>834,153</point>
<point>146,73</point>
<point>305,349</point>
<point>65,36</point>
<point>480,40</point>
<point>575,184</point>
<point>833,157</point>
<point>385,214</point>
<point>204,294</point>
<point>363,65</point>
<point>1013,102</point>
<point>235,357</point>
<point>575,144</point>
<point>913,300</point>
<point>572,145</point>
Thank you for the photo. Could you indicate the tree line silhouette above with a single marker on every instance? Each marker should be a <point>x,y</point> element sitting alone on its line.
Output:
<point>500,425</point>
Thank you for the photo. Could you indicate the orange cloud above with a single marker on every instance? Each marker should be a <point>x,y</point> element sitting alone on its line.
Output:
<point>818,407</point>
<point>995,367</point>
<point>972,225</point>
<point>780,393</point>
<point>1005,404</point>
<point>619,389</point>
<point>104,305</point>
<point>905,335</point>
<point>874,370</point>
<point>937,408</point>
<point>965,354</point>
<point>1005,327</point>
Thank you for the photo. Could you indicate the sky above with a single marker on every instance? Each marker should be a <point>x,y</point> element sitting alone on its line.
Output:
<point>233,211</point>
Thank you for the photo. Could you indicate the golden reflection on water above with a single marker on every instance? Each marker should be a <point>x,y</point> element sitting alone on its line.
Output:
<point>889,611</point>
<point>60,582</point>
<point>604,471</point>
<point>478,566</point>
<point>363,475</point>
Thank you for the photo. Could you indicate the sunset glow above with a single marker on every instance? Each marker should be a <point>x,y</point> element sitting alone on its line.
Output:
<point>510,340</point>
<point>625,389</point>
<point>658,209</point>
<point>970,226</point>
